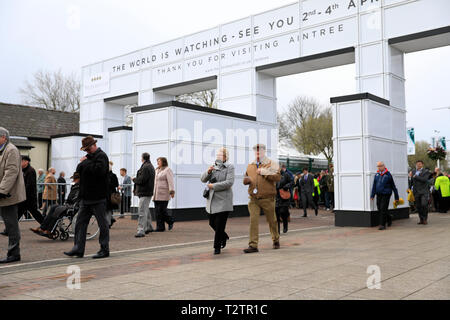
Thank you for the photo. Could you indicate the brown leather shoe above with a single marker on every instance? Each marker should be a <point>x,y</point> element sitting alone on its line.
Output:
<point>251,250</point>
<point>276,245</point>
<point>425,222</point>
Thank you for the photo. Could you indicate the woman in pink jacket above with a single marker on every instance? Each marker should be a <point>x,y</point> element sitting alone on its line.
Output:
<point>164,191</point>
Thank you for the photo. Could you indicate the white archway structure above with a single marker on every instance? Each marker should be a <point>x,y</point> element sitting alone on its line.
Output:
<point>242,59</point>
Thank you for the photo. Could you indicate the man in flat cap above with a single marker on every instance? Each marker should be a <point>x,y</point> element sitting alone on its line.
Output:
<point>261,177</point>
<point>93,170</point>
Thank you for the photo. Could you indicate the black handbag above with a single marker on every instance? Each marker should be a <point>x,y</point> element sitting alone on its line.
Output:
<point>206,191</point>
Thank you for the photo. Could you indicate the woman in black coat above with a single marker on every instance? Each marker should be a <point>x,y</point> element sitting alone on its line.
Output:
<point>282,205</point>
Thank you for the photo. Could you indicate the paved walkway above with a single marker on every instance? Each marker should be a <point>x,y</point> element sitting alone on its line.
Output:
<point>37,248</point>
<point>322,262</point>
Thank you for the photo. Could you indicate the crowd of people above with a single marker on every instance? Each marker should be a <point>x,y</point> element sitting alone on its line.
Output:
<point>96,191</point>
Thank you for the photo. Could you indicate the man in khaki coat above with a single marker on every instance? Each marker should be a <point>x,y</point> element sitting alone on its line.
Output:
<point>262,176</point>
<point>12,192</point>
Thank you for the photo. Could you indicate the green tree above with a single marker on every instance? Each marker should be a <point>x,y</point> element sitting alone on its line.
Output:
<point>308,126</point>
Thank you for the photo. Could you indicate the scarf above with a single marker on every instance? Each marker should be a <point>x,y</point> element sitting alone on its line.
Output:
<point>3,146</point>
<point>383,173</point>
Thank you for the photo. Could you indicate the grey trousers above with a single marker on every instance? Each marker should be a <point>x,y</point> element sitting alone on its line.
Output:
<point>145,218</point>
<point>9,216</point>
<point>83,217</point>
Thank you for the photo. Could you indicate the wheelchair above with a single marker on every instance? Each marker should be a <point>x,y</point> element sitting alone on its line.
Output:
<point>64,227</point>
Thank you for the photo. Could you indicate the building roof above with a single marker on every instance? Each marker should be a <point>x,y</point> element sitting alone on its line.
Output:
<point>21,142</point>
<point>37,123</point>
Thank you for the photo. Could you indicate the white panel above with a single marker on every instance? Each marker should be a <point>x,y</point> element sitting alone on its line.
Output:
<point>241,159</point>
<point>330,37</point>
<point>371,59</point>
<point>352,193</point>
<point>396,62</point>
<point>240,193</point>
<point>277,49</point>
<point>399,156</point>
<point>379,151</point>
<point>124,84</point>
<point>167,74</point>
<point>266,110</point>
<point>168,52</point>
<point>370,27</point>
<point>155,151</point>
<point>351,156</point>
<point>236,58</point>
<point>202,42</point>
<point>349,119</point>
<point>367,5</point>
<point>191,194</point>
<point>398,126</point>
<point>238,105</point>
<point>95,110</point>
<point>201,67</point>
<point>397,92</point>
<point>236,84</point>
<point>152,126</point>
<point>127,63</point>
<point>201,126</point>
<point>146,80</point>
<point>115,142</point>
<point>237,32</point>
<point>96,83</point>
<point>188,158</point>
<point>244,134</point>
<point>391,2</point>
<point>415,17</point>
<point>321,11</point>
<point>379,120</point>
<point>265,85</point>
<point>145,98</point>
<point>373,85</point>
<point>114,112</point>
<point>276,21</point>
<point>84,112</point>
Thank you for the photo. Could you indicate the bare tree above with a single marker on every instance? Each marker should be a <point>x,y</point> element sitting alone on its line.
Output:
<point>308,127</point>
<point>206,98</point>
<point>53,91</point>
<point>298,111</point>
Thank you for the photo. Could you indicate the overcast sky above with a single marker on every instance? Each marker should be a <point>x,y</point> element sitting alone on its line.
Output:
<point>53,34</point>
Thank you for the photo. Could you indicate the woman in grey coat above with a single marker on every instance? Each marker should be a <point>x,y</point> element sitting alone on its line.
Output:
<point>220,178</point>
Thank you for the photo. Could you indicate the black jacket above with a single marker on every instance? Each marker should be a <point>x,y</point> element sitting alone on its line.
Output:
<point>29,177</point>
<point>420,183</point>
<point>113,183</point>
<point>74,196</point>
<point>94,176</point>
<point>145,180</point>
<point>285,183</point>
<point>62,189</point>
